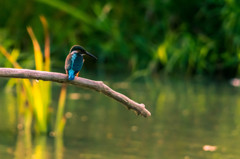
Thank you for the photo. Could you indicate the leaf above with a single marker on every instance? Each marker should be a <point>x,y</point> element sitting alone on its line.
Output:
<point>37,50</point>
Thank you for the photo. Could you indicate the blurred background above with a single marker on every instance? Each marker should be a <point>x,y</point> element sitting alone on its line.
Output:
<point>170,36</point>
<point>180,58</point>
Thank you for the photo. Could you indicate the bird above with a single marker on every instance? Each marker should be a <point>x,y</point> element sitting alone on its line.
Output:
<point>74,61</point>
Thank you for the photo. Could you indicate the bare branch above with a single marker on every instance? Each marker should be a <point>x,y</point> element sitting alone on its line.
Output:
<point>98,86</point>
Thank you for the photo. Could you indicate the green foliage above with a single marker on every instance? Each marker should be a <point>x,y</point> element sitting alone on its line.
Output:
<point>33,96</point>
<point>188,37</point>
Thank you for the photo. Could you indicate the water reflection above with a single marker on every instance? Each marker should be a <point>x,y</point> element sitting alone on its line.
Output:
<point>38,147</point>
<point>189,120</point>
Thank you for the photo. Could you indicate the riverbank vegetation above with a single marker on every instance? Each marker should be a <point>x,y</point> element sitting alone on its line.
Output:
<point>189,38</point>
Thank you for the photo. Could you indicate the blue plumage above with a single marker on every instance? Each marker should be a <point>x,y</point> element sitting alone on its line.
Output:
<point>74,61</point>
<point>74,64</point>
<point>71,74</point>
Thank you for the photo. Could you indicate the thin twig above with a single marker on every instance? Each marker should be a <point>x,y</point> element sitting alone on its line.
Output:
<point>98,86</point>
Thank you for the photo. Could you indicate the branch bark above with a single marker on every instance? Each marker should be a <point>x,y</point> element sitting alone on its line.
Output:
<point>98,86</point>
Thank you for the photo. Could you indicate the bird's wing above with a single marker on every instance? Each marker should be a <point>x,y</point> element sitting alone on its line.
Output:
<point>78,63</point>
<point>68,63</point>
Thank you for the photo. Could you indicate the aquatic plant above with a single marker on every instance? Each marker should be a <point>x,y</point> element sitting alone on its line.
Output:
<point>33,96</point>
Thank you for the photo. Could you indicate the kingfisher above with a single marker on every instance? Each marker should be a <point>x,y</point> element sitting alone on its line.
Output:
<point>75,60</point>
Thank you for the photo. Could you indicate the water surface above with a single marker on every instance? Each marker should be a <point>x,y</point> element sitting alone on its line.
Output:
<point>186,116</point>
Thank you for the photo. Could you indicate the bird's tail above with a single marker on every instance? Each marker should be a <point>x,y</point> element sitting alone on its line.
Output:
<point>71,75</point>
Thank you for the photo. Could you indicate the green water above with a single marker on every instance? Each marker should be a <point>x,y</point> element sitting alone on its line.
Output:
<point>186,115</point>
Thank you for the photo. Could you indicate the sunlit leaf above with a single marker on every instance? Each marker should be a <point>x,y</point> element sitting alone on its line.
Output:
<point>9,57</point>
<point>47,44</point>
<point>60,119</point>
<point>39,111</point>
<point>37,50</point>
<point>162,54</point>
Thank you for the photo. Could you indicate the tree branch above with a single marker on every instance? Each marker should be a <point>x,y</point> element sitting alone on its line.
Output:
<point>98,86</point>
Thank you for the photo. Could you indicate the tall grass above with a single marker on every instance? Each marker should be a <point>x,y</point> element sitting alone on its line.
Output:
<point>33,96</point>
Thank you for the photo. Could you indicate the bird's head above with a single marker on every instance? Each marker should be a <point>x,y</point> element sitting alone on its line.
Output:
<point>81,50</point>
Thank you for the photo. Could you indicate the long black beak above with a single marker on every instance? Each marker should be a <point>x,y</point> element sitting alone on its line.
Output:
<point>89,54</point>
